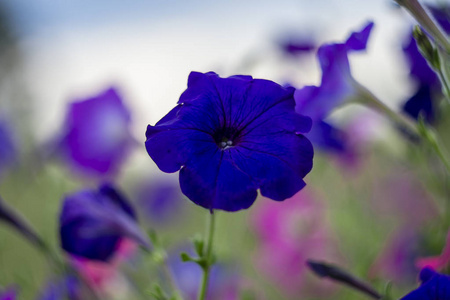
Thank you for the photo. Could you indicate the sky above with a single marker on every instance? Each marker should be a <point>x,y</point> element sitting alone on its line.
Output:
<point>74,49</point>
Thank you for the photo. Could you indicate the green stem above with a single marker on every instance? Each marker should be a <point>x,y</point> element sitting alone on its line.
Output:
<point>171,280</point>
<point>369,99</point>
<point>207,257</point>
<point>426,21</point>
<point>445,84</point>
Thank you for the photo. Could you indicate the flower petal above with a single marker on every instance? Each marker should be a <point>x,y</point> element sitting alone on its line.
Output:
<point>211,180</point>
<point>336,85</point>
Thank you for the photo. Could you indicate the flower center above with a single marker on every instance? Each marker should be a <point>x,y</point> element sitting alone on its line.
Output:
<point>226,143</point>
<point>225,138</point>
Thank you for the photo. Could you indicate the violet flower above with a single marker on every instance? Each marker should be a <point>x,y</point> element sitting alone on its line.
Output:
<point>337,84</point>
<point>97,138</point>
<point>434,286</point>
<point>93,222</point>
<point>336,88</point>
<point>9,293</point>
<point>230,137</point>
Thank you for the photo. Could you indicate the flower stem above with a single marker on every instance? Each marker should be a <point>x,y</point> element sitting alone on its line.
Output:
<point>419,131</point>
<point>207,257</point>
<point>426,21</point>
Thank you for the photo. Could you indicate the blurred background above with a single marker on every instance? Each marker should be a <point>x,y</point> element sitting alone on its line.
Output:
<point>53,53</point>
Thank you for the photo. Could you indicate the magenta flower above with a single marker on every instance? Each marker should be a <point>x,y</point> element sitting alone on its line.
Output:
<point>290,234</point>
<point>440,262</point>
<point>231,137</point>
<point>97,138</point>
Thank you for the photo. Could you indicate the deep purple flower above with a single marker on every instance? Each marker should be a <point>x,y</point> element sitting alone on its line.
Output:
<point>97,136</point>
<point>337,82</point>
<point>418,67</point>
<point>8,146</point>
<point>421,103</point>
<point>230,137</point>
<point>434,286</point>
<point>93,222</point>
<point>8,294</point>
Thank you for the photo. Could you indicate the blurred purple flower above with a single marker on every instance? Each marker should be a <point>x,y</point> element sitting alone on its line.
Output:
<point>160,200</point>
<point>337,82</point>
<point>9,293</point>
<point>8,146</point>
<point>93,222</point>
<point>223,284</point>
<point>97,138</point>
<point>65,288</point>
<point>296,45</point>
<point>230,137</point>
<point>402,196</point>
<point>397,260</point>
<point>290,234</point>
<point>336,88</point>
<point>434,286</point>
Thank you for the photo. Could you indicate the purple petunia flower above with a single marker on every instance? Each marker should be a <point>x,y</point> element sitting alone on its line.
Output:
<point>93,222</point>
<point>230,137</point>
<point>337,86</point>
<point>337,82</point>
<point>434,286</point>
<point>97,137</point>
<point>421,103</point>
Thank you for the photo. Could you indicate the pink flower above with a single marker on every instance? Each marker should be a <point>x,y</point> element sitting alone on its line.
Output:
<point>104,277</point>
<point>290,234</point>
